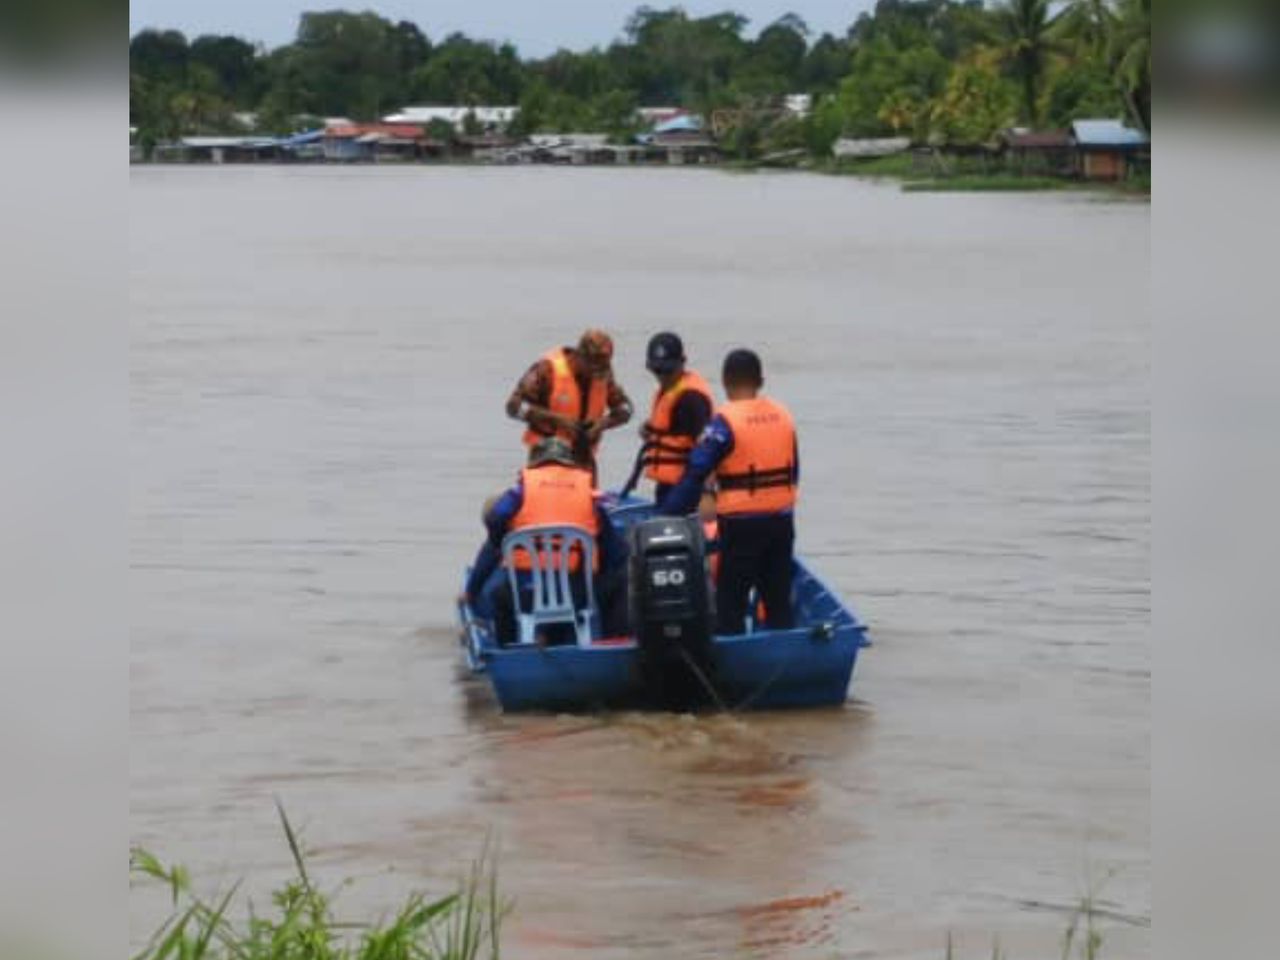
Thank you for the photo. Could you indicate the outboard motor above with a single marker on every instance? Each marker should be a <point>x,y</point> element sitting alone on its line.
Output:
<point>671,610</point>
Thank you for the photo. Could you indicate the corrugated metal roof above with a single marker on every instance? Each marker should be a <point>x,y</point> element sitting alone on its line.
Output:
<point>452,114</point>
<point>298,139</point>
<point>685,122</point>
<point>1106,133</point>
<point>1038,139</point>
<point>361,130</point>
<point>225,142</point>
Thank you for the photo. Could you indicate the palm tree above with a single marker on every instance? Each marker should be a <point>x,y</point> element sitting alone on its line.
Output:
<point>1130,55</point>
<point>1086,25</point>
<point>1026,29</point>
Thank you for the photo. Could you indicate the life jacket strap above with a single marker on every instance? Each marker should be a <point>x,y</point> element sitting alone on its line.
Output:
<point>754,479</point>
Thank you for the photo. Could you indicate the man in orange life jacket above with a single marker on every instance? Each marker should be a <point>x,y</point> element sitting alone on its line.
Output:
<point>680,412</point>
<point>571,393</point>
<point>750,446</point>
<point>552,489</point>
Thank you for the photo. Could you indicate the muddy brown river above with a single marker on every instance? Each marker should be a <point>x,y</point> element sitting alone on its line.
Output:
<point>319,362</point>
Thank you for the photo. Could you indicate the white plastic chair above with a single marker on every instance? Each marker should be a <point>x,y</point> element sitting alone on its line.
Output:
<point>549,549</point>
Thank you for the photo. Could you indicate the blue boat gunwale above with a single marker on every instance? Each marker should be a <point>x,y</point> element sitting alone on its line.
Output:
<point>817,628</point>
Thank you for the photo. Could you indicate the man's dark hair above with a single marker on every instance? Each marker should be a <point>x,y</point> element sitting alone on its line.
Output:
<point>743,367</point>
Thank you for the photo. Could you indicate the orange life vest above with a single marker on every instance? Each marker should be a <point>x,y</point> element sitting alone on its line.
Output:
<point>566,399</point>
<point>666,459</point>
<point>560,495</point>
<point>759,475</point>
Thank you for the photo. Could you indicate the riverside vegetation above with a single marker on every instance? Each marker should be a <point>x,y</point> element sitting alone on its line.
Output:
<point>950,72</point>
<point>464,925</point>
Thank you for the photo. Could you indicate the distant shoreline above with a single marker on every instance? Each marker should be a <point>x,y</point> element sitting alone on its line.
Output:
<point>897,168</point>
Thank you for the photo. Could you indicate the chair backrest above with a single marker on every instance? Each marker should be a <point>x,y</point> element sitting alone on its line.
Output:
<point>551,552</point>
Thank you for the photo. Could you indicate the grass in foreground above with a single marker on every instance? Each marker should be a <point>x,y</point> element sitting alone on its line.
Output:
<point>464,925</point>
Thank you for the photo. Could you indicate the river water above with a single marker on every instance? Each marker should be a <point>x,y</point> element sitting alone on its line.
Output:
<point>319,362</point>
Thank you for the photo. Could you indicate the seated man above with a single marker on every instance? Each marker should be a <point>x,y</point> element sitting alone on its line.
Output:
<point>552,490</point>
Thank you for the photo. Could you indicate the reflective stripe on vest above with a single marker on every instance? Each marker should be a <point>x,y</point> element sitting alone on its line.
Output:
<point>561,496</point>
<point>665,461</point>
<point>759,475</point>
<point>566,399</point>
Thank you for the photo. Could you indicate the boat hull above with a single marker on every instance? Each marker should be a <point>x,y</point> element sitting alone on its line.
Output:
<point>763,671</point>
<point>809,666</point>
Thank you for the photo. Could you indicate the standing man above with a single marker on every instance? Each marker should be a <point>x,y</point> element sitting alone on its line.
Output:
<point>681,410</point>
<point>751,447</point>
<point>571,393</point>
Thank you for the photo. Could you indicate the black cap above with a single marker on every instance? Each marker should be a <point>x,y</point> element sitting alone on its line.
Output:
<point>665,353</point>
<point>743,366</point>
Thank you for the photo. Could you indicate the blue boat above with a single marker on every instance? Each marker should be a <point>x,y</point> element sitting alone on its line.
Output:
<point>810,665</point>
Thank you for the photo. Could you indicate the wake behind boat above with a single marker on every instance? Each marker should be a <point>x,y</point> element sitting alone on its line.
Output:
<point>670,658</point>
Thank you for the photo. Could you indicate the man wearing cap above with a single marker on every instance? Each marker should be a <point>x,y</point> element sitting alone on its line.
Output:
<point>681,409</point>
<point>750,445</point>
<point>570,392</point>
<point>554,489</point>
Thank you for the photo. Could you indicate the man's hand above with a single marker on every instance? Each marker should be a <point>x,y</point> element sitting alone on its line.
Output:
<point>552,420</point>
<point>594,429</point>
<point>645,431</point>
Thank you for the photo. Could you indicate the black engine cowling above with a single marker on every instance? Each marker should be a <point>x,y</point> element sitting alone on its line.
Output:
<point>672,610</point>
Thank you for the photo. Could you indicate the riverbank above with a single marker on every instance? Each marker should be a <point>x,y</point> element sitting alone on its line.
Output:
<point>969,177</point>
<point>961,178</point>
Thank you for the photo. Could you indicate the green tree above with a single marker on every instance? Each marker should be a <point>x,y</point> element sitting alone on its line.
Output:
<point>534,109</point>
<point>614,113</point>
<point>1027,42</point>
<point>465,71</point>
<point>822,126</point>
<point>882,70</point>
<point>1130,54</point>
<point>774,60</point>
<point>824,65</point>
<point>905,112</point>
<point>347,62</point>
<point>160,56</point>
<point>1085,27</point>
<point>975,106</point>
<point>1079,89</point>
<point>235,65</point>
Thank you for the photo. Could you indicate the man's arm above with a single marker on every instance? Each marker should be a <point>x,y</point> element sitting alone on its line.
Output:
<point>716,444</point>
<point>618,410</point>
<point>528,401</point>
<point>504,511</point>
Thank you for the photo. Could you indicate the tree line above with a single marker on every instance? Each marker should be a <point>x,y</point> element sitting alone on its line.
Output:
<point>942,70</point>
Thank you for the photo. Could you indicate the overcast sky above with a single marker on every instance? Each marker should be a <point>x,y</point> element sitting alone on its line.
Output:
<point>537,27</point>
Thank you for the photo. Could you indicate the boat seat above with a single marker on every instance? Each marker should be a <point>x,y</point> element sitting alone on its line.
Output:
<point>550,586</point>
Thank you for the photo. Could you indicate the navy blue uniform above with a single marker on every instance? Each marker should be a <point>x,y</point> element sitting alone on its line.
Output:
<point>755,548</point>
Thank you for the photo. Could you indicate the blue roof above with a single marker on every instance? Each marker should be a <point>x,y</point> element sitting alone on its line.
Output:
<point>298,139</point>
<point>1107,133</point>
<point>686,121</point>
